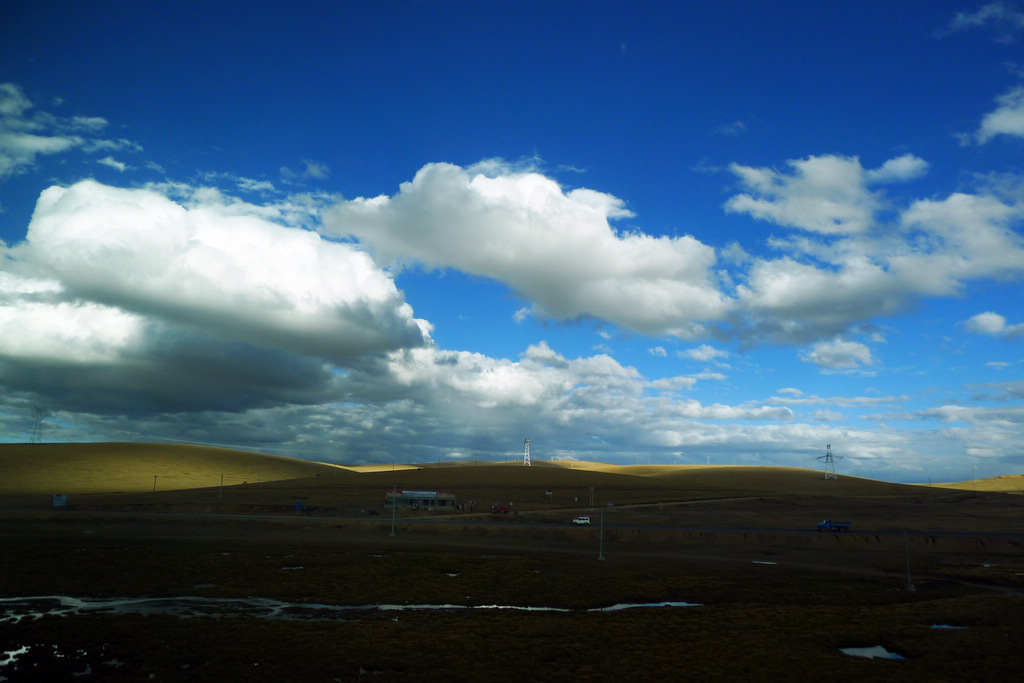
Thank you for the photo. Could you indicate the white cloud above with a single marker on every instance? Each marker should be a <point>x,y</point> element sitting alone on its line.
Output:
<point>13,102</point>
<point>315,169</point>
<point>592,422</point>
<point>674,383</point>
<point>558,249</point>
<point>1006,119</point>
<point>301,210</point>
<point>93,359</point>
<point>789,301</point>
<point>1006,416</point>
<point>91,123</point>
<point>704,353</point>
<point>994,325</point>
<point>848,271</point>
<point>694,410</point>
<point>258,186</point>
<point>114,164</point>
<point>24,135</point>
<point>234,275</point>
<point>19,150</point>
<point>311,169</point>
<point>555,248</point>
<point>66,333</point>
<point>1001,17</point>
<point>823,194</point>
<point>960,238</point>
<point>96,145</point>
<point>541,378</point>
<point>900,169</point>
<point>594,404</point>
<point>126,302</point>
<point>839,355</point>
<point>733,129</point>
<point>1000,391</point>
<point>797,398</point>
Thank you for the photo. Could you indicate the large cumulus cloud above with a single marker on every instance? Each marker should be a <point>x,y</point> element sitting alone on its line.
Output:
<point>194,306</point>
<point>557,249</point>
<point>239,276</point>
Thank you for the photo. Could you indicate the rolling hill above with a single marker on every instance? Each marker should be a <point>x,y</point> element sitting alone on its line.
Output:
<point>105,468</point>
<point>139,467</point>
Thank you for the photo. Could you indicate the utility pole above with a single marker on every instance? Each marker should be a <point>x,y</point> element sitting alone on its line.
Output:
<point>394,505</point>
<point>906,545</point>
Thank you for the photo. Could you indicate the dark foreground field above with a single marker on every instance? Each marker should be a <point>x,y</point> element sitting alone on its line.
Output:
<point>756,620</point>
<point>776,600</point>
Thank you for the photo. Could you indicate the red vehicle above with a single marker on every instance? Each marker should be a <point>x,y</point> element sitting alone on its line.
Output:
<point>503,509</point>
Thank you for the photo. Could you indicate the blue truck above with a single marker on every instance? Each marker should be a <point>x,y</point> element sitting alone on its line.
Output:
<point>829,525</point>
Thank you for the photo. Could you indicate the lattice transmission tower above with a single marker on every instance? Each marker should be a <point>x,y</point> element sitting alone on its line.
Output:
<point>526,453</point>
<point>830,462</point>
<point>38,416</point>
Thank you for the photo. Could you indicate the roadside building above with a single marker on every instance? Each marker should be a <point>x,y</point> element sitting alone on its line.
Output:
<point>419,499</point>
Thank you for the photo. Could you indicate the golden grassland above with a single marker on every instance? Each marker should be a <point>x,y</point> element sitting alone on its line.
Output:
<point>1006,483</point>
<point>106,468</point>
<point>131,467</point>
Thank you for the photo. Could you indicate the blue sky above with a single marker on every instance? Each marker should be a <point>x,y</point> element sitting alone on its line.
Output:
<point>684,233</point>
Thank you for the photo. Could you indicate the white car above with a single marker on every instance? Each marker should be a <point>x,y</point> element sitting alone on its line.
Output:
<point>581,521</point>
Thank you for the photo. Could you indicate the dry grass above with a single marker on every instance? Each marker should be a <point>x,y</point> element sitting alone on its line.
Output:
<point>778,603</point>
<point>131,467</point>
<point>97,468</point>
<point>761,622</point>
<point>1008,483</point>
<point>380,468</point>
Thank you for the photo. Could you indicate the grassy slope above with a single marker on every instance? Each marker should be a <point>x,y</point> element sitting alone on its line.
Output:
<point>1008,482</point>
<point>131,467</point>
